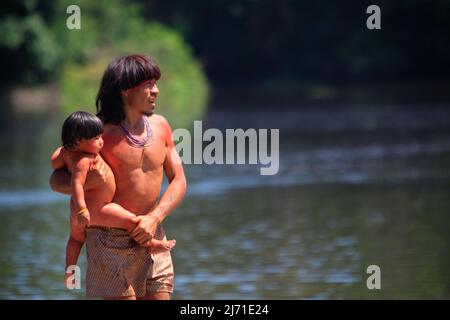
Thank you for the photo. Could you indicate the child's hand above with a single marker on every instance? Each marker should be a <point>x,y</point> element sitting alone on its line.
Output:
<point>83,217</point>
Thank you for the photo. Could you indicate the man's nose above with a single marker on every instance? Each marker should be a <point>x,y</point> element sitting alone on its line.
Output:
<point>155,89</point>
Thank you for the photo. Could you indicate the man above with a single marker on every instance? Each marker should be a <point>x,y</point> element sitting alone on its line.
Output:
<point>138,147</point>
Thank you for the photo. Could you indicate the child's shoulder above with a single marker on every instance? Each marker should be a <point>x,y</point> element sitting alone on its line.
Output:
<point>80,160</point>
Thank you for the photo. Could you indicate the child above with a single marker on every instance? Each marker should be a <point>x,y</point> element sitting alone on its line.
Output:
<point>82,142</point>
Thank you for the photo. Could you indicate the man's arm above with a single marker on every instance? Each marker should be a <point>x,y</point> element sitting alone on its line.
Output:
<point>60,181</point>
<point>176,189</point>
<point>57,159</point>
<point>60,178</point>
<point>175,192</point>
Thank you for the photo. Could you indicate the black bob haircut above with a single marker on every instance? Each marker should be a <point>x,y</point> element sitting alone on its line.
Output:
<point>80,125</point>
<point>122,74</point>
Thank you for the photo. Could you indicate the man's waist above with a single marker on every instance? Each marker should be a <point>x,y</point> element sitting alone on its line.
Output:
<point>105,228</point>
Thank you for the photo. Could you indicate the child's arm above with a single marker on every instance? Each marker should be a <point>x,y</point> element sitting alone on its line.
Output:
<point>78,180</point>
<point>114,215</point>
<point>57,159</point>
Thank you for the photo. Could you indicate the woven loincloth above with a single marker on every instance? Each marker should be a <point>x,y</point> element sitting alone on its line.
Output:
<point>117,266</point>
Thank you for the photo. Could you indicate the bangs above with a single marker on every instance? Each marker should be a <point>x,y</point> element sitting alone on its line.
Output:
<point>91,128</point>
<point>136,69</point>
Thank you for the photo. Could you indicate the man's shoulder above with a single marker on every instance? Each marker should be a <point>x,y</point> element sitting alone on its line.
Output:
<point>160,121</point>
<point>107,127</point>
<point>110,130</point>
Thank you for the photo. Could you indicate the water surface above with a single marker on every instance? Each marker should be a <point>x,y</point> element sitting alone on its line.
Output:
<point>346,197</point>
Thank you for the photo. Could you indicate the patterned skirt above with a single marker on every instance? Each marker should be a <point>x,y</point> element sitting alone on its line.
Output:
<point>117,266</point>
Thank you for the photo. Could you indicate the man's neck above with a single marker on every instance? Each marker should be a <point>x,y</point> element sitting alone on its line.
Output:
<point>133,119</point>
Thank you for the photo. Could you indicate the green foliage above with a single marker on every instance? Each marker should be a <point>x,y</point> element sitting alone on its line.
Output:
<point>28,49</point>
<point>183,87</point>
<point>76,59</point>
<point>110,30</point>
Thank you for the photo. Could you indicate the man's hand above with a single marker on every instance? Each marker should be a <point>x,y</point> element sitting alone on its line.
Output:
<point>145,229</point>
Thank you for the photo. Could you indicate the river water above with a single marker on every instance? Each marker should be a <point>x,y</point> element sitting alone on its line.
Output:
<point>356,187</point>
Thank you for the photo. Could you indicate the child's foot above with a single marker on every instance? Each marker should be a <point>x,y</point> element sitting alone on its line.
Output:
<point>158,246</point>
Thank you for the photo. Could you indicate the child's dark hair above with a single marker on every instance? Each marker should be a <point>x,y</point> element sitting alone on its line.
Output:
<point>80,125</point>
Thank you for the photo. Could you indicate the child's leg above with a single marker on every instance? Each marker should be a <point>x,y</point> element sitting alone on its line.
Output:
<point>76,239</point>
<point>114,215</point>
<point>73,248</point>
<point>75,243</point>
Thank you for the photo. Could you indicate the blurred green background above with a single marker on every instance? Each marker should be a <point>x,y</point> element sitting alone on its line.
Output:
<point>38,50</point>
<point>364,123</point>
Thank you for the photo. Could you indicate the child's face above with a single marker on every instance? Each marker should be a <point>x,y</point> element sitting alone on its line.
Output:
<point>93,145</point>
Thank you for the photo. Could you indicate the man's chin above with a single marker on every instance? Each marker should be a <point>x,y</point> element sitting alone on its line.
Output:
<point>147,113</point>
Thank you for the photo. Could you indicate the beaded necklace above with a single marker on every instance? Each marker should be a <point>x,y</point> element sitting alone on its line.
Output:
<point>139,142</point>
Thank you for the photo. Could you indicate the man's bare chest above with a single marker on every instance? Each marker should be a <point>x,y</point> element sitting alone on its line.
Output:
<point>123,157</point>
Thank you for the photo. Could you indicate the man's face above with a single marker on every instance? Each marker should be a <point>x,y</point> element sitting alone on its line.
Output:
<point>142,97</point>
